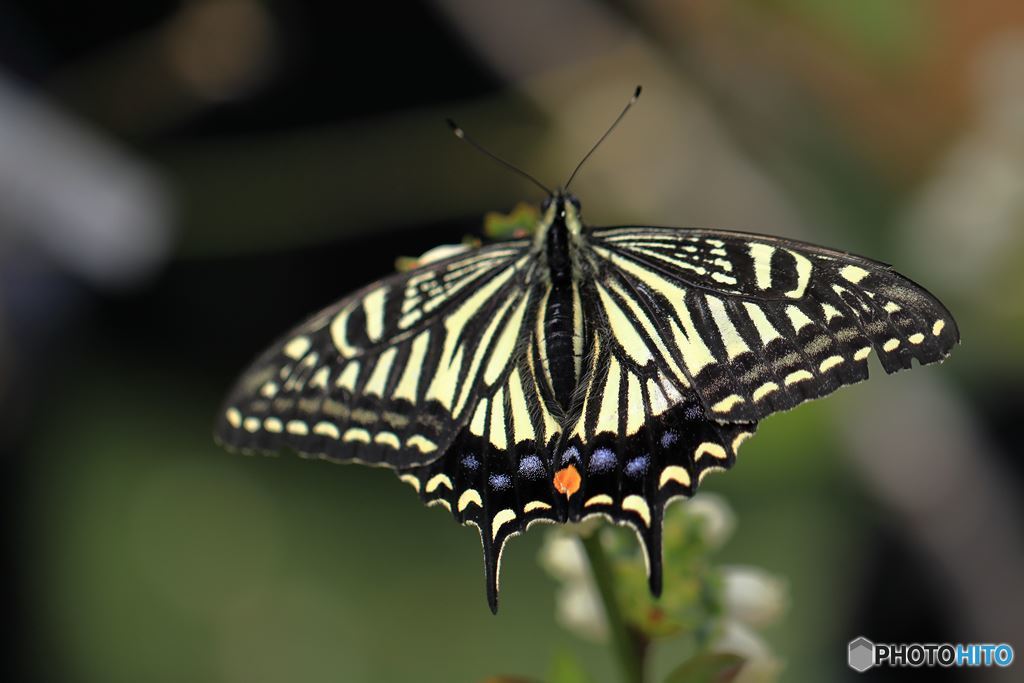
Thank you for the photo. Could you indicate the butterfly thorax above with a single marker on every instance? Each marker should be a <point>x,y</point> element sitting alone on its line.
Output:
<point>560,334</point>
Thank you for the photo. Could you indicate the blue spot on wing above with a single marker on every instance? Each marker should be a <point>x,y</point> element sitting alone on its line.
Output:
<point>637,467</point>
<point>531,467</point>
<point>500,482</point>
<point>602,460</point>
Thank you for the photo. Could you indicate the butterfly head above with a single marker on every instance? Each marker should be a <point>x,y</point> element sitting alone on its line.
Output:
<point>563,207</point>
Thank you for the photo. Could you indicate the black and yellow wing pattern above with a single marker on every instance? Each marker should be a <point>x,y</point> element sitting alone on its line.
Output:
<point>758,324</point>
<point>681,341</point>
<point>387,375</point>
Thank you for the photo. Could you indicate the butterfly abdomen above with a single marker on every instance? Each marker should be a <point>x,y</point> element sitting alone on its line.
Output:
<point>561,319</point>
<point>558,339</point>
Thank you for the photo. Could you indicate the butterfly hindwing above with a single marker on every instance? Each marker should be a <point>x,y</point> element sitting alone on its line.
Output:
<point>635,441</point>
<point>640,438</point>
<point>759,324</point>
<point>497,474</point>
<point>390,374</point>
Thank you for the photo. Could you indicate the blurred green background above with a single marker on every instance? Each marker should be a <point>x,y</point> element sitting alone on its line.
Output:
<point>182,181</point>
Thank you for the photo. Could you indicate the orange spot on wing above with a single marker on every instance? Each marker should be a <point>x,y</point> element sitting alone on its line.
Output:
<point>567,480</point>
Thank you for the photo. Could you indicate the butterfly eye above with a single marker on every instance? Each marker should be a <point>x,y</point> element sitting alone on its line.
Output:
<point>546,204</point>
<point>575,203</point>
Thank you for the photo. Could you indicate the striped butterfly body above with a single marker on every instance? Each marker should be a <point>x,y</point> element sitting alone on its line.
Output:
<point>583,371</point>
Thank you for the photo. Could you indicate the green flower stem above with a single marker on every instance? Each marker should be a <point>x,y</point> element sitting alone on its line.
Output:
<point>629,646</point>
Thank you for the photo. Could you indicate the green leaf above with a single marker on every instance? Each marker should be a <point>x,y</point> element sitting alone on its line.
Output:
<point>709,667</point>
<point>520,222</point>
<point>566,668</point>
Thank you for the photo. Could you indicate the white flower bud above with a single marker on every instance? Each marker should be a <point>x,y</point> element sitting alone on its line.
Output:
<point>718,519</point>
<point>563,557</point>
<point>579,609</point>
<point>761,666</point>
<point>752,595</point>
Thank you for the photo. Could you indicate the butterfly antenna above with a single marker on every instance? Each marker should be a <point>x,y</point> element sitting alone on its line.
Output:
<point>632,101</point>
<point>461,134</point>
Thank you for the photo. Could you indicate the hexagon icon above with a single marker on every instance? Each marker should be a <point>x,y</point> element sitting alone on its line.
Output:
<point>861,656</point>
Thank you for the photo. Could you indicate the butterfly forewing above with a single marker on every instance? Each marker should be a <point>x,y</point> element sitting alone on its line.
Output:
<point>757,324</point>
<point>390,374</point>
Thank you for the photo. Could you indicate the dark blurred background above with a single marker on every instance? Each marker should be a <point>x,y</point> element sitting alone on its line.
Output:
<point>180,182</point>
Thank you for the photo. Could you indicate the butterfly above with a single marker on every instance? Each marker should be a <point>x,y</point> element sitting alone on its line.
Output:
<point>579,371</point>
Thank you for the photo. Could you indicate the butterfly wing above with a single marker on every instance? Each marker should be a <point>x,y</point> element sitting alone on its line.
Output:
<point>699,334</point>
<point>638,436</point>
<point>635,436</point>
<point>497,474</point>
<point>759,324</point>
<point>390,374</point>
<point>631,440</point>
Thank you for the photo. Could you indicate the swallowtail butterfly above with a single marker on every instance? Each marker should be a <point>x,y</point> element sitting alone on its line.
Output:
<point>581,371</point>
